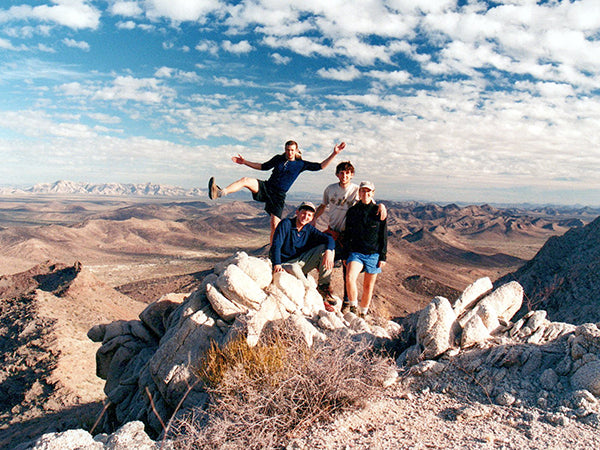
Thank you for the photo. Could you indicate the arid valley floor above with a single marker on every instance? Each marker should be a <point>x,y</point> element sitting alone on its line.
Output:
<point>133,251</point>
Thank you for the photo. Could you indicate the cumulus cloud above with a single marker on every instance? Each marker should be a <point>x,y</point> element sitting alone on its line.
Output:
<point>82,45</point>
<point>105,118</point>
<point>279,59</point>
<point>164,72</point>
<point>208,46</point>
<point>343,74</point>
<point>127,25</point>
<point>145,90</point>
<point>391,78</point>
<point>126,8</point>
<point>238,47</point>
<point>76,14</point>
<point>6,44</point>
<point>181,10</point>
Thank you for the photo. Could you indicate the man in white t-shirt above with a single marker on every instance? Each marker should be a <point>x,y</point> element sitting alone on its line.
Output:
<point>337,199</point>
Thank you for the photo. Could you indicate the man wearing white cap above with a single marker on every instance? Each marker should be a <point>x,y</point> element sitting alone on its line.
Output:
<point>298,244</point>
<point>365,247</point>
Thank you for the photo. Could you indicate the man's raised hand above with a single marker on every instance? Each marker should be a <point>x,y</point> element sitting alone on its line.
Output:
<point>339,147</point>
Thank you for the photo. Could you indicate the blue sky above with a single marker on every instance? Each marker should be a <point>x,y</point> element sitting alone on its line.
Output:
<point>437,99</point>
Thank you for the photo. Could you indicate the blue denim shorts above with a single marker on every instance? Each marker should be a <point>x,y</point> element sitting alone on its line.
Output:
<point>369,262</point>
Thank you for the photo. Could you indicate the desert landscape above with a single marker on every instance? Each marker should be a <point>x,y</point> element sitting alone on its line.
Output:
<point>68,263</point>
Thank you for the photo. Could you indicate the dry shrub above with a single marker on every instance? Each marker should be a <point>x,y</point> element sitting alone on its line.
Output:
<point>263,396</point>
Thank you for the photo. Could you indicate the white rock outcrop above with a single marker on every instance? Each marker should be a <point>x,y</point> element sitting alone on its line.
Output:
<point>149,365</point>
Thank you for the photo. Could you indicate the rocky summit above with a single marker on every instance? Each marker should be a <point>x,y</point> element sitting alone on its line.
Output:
<point>148,363</point>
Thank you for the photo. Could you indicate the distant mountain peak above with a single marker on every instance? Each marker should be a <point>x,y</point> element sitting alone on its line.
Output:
<point>66,187</point>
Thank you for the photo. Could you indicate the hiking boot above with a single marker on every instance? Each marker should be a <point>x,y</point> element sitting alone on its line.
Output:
<point>328,307</point>
<point>214,191</point>
<point>325,291</point>
<point>353,309</point>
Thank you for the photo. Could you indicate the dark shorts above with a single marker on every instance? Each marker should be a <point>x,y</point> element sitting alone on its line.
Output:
<point>274,200</point>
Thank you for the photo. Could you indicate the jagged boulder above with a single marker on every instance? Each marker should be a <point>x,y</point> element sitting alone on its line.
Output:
<point>471,294</point>
<point>149,365</point>
<point>435,328</point>
<point>129,436</point>
<point>534,361</point>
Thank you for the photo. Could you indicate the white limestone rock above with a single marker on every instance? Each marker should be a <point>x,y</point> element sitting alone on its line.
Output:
<point>281,299</point>
<point>258,269</point>
<point>470,295</point>
<point>269,310</point>
<point>435,327</point>
<point>307,330</point>
<point>474,332</point>
<point>238,287</point>
<point>129,436</point>
<point>291,286</point>
<point>222,306</point>
<point>67,440</point>
<point>330,321</point>
<point>169,366</point>
<point>313,303</point>
<point>502,304</point>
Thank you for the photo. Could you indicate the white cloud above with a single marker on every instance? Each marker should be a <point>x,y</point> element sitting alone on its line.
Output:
<point>74,89</point>
<point>105,118</point>
<point>550,90</point>
<point>181,10</point>
<point>187,77</point>
<point>279,59</point>
<point>344,74</point>
<point>305,46</point>
<point>237,48</point>
<point>229,82</point>
<point>145,90</point>
<point>44,48</point>
<point>6,44</point>
<point>298,89</point>
<point>208,46</point>
<point>393,78</point>
<point>76,14</point>
<point>126,8</point>
<point>164,72</point>
<point>127,25</point>
<point>82,45</point>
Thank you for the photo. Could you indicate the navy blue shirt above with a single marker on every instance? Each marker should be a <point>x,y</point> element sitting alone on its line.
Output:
<point>289,243</point>
<point>285,172</point>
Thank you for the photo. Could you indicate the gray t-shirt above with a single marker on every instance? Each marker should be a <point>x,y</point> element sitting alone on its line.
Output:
<point>338,200</point>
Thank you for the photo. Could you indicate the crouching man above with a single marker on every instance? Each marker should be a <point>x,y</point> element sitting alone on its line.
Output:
<point>300,247</point>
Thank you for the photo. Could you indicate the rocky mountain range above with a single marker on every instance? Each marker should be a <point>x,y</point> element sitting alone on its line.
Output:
<point>133,253</point>
<point>564,276</point>
<point>64,187</point>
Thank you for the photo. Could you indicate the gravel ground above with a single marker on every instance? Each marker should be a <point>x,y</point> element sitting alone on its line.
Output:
<point>414,416</point>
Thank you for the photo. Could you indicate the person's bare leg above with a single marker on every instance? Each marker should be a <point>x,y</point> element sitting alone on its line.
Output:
<point>274,222</point>
<point>368,287</point>
<point>246,182</point>
<point>352,272</point>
